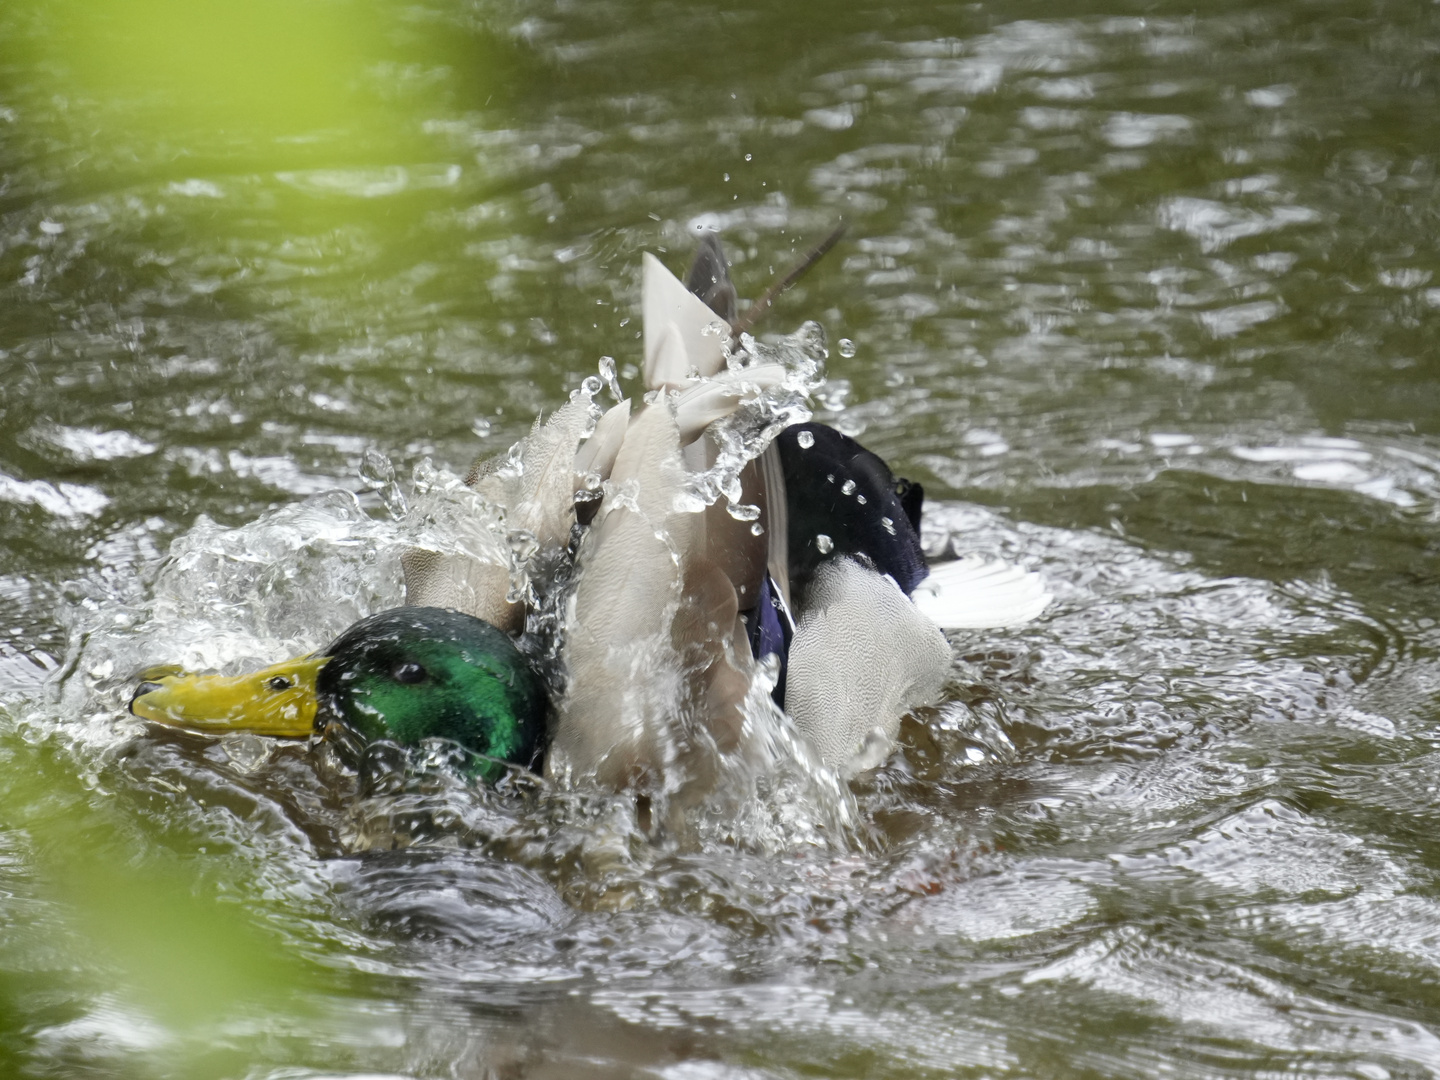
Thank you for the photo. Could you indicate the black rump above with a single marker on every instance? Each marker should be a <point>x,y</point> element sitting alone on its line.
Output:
<point>836,488</point>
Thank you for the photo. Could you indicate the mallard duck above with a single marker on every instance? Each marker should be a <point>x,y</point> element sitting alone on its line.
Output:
<point>673,607</point>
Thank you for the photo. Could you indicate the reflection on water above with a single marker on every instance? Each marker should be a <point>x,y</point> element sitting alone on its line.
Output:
<point>1147,299</point>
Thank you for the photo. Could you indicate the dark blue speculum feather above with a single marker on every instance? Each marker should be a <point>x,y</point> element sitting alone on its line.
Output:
<point>770,631</point>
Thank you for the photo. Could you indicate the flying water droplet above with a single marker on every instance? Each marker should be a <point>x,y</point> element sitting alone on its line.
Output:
<point>246,752</point>
<point>607,372</point>
<point>824,544</point>
<point>743,511</point>
<point>847,347</point>
<point>523,544</point>
<point>757,529</point>
<point>848,488</point>
<point>376,469</point>
<point>425,476</point>
<point>686,502</point>
<point>592,483</point>
<point>833,394</point>
<point>481,427</point>
<point>394,500</point>
<point>378,475</point>
<point>811,339</point>
<point>806,439</point>
<point>887,525</point>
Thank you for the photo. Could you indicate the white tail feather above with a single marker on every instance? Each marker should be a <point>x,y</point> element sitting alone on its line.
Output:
<point>972,594</point>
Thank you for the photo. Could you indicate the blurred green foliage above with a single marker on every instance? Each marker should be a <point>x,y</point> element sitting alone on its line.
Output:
<point>100,913</point>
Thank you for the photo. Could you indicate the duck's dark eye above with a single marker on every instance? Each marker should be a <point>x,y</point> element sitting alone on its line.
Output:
<point>279,682</point>
<point>409,672</point>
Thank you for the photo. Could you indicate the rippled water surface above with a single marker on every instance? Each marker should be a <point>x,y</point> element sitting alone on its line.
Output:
<point>1144,294</point>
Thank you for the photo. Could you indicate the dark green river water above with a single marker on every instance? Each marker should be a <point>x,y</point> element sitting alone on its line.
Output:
<point>1144,293</point>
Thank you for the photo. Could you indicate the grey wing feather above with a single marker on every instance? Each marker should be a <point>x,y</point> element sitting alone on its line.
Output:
<point>701,402</point>
<point>682,336</point>
<point>436,579</point>
<point>610,723</point>
<point>862,657</point>
<point>544,502</point>
<point>596,456</point>
<point>535,485</point>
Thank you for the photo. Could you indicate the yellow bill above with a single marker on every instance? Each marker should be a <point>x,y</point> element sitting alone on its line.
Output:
<point>278,700</point>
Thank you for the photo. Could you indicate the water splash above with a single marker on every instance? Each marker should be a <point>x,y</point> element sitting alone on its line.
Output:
<point>744,435</point>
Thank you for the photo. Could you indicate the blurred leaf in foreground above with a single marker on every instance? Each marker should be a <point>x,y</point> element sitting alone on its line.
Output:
<point>143,926</point>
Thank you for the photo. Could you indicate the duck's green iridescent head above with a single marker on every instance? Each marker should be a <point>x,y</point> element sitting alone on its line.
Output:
<point>407,674</point>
